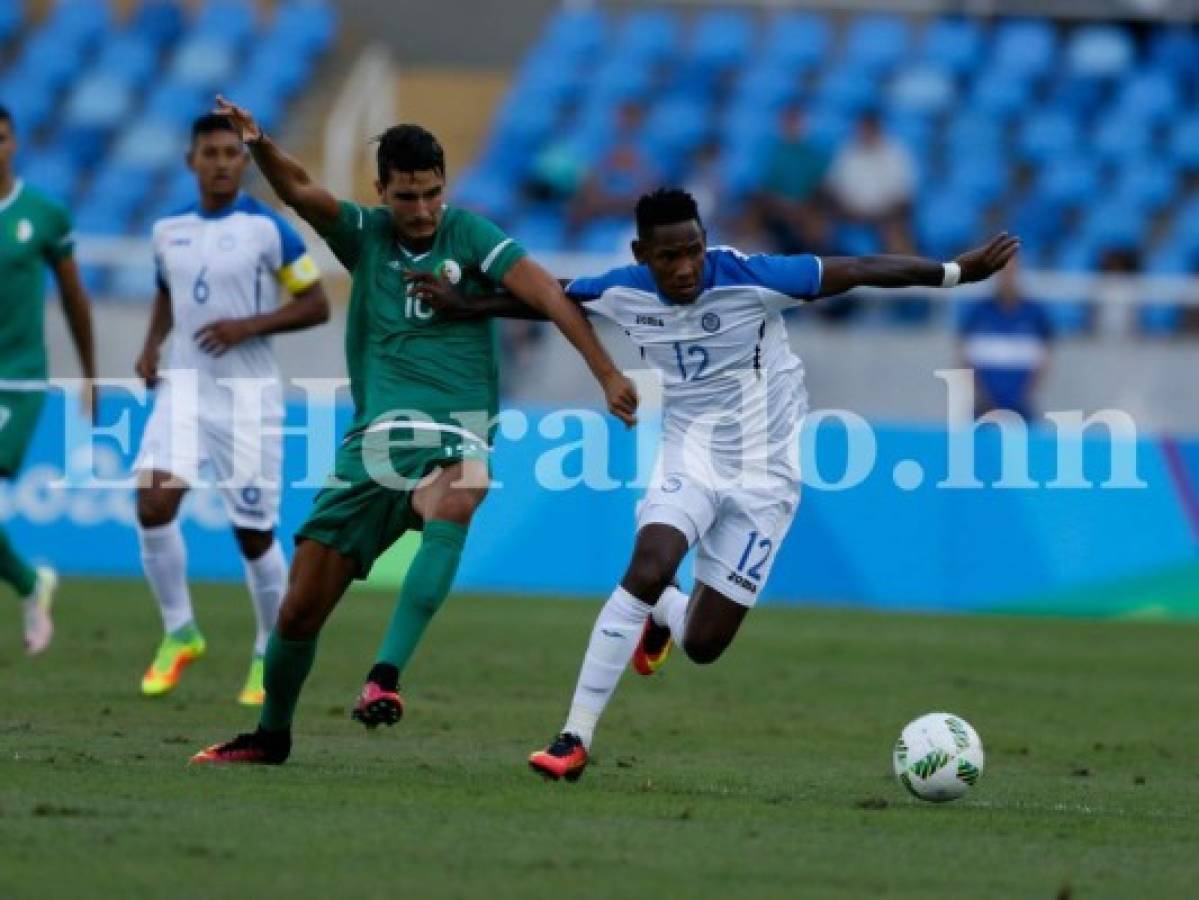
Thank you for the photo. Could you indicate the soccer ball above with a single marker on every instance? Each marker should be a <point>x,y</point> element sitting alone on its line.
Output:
<point>938,757</point>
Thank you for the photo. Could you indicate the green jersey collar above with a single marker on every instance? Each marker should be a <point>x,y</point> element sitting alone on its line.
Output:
<point>8,201</point>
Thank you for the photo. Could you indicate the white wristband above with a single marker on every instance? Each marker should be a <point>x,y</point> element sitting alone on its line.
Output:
<point>952,276</point>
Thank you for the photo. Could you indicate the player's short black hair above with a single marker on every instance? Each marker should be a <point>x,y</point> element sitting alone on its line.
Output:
<point>408,148</point>
<point>210,123</point>
<point>6,116</point>
<point>665,206</point>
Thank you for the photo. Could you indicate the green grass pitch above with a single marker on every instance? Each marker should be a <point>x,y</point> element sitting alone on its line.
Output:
<point>766,775</point>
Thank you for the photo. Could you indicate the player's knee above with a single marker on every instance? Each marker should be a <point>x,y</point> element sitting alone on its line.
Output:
<point>298,621</point>
<point>459,506</point>
<point>154,509</point>
<point>647,577</point>
<point>703,649</point>
<point>253,543</point>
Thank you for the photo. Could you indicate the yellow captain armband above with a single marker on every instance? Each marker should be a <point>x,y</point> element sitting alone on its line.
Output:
<point>300,275</point>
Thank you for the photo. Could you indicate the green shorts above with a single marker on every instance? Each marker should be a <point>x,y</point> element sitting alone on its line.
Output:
<point>19,412</point>
<point>367,504</point>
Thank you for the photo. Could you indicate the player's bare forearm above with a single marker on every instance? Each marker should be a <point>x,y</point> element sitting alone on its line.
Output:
<point>843,273</point>
<point>307,309</point>
<point>78,312</point>
<point>293,184</point>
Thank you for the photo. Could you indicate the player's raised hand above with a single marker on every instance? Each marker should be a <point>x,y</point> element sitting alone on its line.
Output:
<point>242,119</point>
<point>982,262</point>
<point>621,395</point>
<point>217,337</point>
<point>146,366</point>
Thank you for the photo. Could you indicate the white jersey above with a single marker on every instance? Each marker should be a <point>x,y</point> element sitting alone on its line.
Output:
<point>728,473</point>
<point>730,379</point>
<point>227,265</point>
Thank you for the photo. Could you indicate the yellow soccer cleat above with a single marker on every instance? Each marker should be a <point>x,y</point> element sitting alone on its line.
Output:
<point>172,658</point>
<point>253,693</point>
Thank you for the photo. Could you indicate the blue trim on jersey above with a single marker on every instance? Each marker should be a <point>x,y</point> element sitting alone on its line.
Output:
<point>795,276</point>
<point>290,243</point>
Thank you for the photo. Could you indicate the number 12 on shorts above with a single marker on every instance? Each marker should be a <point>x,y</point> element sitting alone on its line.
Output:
<point>752,547</point>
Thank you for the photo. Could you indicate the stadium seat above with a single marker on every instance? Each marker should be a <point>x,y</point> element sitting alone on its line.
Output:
<point>1047,135</point>
<point>128,55</point>
<point>12,16</point>
<point>31,103</point>
<point>999,95</point>
<point>100,100</point>
<point>978,178</point>
<point>573,33</point>
<point>46,59</point>
<point>1114,224</point>
<point>1153,94</point>
<point>150,144</point>
<point>1184,142</point>
<point>52,173</point>
<point>203,61</point>
<point>172,101</point>
<point>1068,180</point>
<point>1038,220</point>
<point>1175,48</point>
<point>650,37</point>
<point>1024,47</point>
<point>847,90</point>
<point>604,236</point>
<point>1080,97</point>
<point>797,41</point>
<point>305,26</point>
<point>1118,138</point>
<point>973,133</point>
<point>766,89</point>
<point>159,22</point>
<point>952,44</point>
<point>229,22</point>
<point>722,40</point>
<point>877,42</point>
<point>946,223</point>
<point>922,89</point>
<point>79,23</point>
<point>1100,51</point>
<point>1147,184</point>
<point>541,229</point>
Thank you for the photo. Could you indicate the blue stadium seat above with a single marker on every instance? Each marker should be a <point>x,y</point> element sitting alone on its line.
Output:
<point>573,33</point>
<point>79,22</point>
<point>203,61</point>
<point>677,127</point>
<point>798,41</point>
<point>1153,94</point>
<point>492,196</point>
<point>1184,142</point>
<point>150,144</point>
<point>922,89</point>
<point>100,219</point>
<point>171,101</point>
<point>979,179</point>
<point>1113,223</point>
<point>30,102</point>
<point>847,90</point>
<point>53,173</point>
<point>912,130</point>
<point>1038,220</point>
<point>1120,137</point>
<point>999,95</point>
<point>617,81</point>
<point>12,16</point>
<point>946,223</point>
<point>604,236</point>
<point>99,100</point>
<point>722,40</point>
<point>767,88</point>
<point>283,72</point>
<point>1047,135</point>
<point>1100,51</point>
<point>128,55</point>
<point>1081,97</point>
<point>1068,180</point>
<point>829,126</point>
<point>1147,184</point>
<point>305,26</point>
<point>972,133</point>
<point>953,44</point>
<point>230,22</point>
<point>45,59</point>
<point>650,37</point>
<point>877,42</point>
<point>159,22</point>
<point>541,228</point>
<point>1024,47</point>
<point>1175,49</point>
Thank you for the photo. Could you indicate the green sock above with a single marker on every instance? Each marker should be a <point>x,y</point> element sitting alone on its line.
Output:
<point>425,589</point>
<point>14,570</point>
<point>287,665</point>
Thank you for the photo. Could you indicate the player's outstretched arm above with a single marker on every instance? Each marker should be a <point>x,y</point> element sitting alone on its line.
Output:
<point>536,287</point>
<point>78,312</point>
<point>289,179</point>
<point>842,273</point>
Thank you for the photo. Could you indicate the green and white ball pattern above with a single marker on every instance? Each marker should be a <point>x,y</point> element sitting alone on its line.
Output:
<point>938,757</point>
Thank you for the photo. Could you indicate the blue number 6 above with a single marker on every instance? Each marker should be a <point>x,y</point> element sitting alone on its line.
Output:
<point>201,290</point>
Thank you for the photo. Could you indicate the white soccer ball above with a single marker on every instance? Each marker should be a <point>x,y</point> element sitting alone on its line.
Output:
<point>938,757</point>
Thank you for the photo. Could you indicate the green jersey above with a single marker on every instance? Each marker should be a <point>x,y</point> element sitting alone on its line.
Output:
<point>403,356</point>
<point>34,233</point>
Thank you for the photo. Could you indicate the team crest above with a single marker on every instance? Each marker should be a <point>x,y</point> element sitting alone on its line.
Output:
<point>710,323</point>
<point>451,271</point>
<point>24,231</point>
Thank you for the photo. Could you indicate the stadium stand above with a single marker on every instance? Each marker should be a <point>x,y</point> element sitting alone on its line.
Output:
<point>1082,137</point>
<point>104,102</point>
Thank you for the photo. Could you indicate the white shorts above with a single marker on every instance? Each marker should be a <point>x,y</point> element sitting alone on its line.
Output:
<point>244,459</point>
<point>738,529</point>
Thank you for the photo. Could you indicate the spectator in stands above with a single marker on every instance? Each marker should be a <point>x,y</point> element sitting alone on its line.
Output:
<point>622,175</point>
<point>871,182</point>
<point>1006,340</point>
<point>787,208</point>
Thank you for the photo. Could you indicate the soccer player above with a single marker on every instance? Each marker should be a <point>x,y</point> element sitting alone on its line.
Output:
<point>35,233</point>
<point>727,476</point>
<point>425,396</point>
<point>220,263</point>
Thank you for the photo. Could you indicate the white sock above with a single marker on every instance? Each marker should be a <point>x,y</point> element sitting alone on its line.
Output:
<point>164,559</point>
<point>671,612</point>
<point>266,578</point>
<point>613,640</point>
